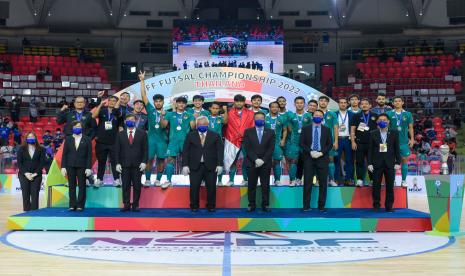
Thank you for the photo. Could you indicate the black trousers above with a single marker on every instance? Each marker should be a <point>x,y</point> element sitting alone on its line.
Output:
<point>389,178</point>
<point>319,168</point>
<point>300,167</point>
<point>30,191</point>
<point>263,173</point>
<point>78,174</point>
<point>131,176</point>
<point>102,152</point>
<point>196,177</point>
<point>361,154</point>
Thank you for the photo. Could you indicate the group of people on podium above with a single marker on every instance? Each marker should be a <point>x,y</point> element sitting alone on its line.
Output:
<point>313,141</point>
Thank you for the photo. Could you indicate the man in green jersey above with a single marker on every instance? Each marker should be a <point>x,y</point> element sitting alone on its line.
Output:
<point>180,123</point>
<point>197,110</point>
<point>157,136</point>
<point>402,121</point>
<point>216,123</point>
<point>283,112</point>
<point>274,122</point>
<point>256,101</point>
<point>296,121</point>
<point>330,121</point>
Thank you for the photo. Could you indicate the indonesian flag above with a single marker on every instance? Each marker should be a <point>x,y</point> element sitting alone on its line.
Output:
<point>237,124</point>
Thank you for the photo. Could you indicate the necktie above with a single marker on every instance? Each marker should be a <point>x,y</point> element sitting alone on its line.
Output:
<point>131,138</point>
<point>202,139</point>
<point>260,135</point>
<point>316,139</point>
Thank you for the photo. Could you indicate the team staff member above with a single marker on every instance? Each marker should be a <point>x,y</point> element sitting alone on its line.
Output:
<point>383,160</point>
<point>157,135</point>
<point>124,108</point>
<point>197,110</point>
<point>296,121</point>
<point>67,117</point>
<point>76,163</point>
<point>330,121</point>
<point>31,161</point>
<point>107,128</point>
<point>202,160</point>
<point>312,106</point>
<point>180,123</point>
<point>275,123</point>
<point>354,102</point>
<point>131,157</point>
<point>402,120</point>
<point>316,143</point>
<point>344,118</point>
<point>216,121</point>
<point>259,144</point>
<point>141,118</point>
<point>362,124</point>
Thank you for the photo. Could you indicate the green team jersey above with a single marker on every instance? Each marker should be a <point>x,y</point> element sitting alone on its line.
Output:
<point>154,127</point>
<point>296,122</point>
<point>202,112</point>
<point>261,109</point>
<point>400,122</point>
<point>216,124</point>
<point>330,120</point>
<point>285,117</point>
<point>276,124</point>
<point>179,124</point>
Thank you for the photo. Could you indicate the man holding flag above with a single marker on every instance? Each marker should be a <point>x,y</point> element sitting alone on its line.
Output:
<point>239,119</point>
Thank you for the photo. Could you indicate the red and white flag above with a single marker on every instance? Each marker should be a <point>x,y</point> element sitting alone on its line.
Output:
<point>237,124</point>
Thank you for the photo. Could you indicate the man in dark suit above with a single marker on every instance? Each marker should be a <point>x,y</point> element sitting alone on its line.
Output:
<point>259,145</point>
<point>77,164</point>
<point>316,143</point>
<point>384,159</point>
<point>202,160</point>
<point>131,159</point>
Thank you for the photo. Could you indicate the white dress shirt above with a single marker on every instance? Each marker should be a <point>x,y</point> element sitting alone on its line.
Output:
<point>77,140</point>
<point>31,150</point>
<point>200,137</point>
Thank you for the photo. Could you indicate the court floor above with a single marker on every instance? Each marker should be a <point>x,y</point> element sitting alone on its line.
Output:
<point>421,254</point>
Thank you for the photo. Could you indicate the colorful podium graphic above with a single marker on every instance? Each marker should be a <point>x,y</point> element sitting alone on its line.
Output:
<point>445,200</point>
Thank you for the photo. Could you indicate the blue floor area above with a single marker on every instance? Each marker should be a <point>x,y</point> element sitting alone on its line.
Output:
<point>226,213</point>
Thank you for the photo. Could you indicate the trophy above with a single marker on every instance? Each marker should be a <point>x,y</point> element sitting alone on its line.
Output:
<point>444,156</point>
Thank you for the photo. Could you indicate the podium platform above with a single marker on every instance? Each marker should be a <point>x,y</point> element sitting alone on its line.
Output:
<point>173,219</point>
<point>349,209</point>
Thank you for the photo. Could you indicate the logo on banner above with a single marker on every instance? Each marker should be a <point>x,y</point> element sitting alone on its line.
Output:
<point>211,248</point>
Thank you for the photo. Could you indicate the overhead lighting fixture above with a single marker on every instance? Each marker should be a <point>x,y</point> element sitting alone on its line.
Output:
<point>258,17</point>
<point>421,13</point>
<point>406,14</point>
<point>111,13</point>
<point>299,66</point>
<point>35,13</point>
<point>271,16</point>
<point>343,16</point>
<point>49,13</point>
<point>133,69</point>
<point>330,15</point>
<point>125,14</point>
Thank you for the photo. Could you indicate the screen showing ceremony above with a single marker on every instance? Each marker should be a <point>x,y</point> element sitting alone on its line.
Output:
<point>245,44</point>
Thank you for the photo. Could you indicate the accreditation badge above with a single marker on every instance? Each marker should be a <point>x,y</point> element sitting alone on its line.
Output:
<point>383,147</point>
<point>362,127</point>
<point>108,126</point>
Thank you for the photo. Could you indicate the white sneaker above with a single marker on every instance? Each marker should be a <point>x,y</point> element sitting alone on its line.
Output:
<point>219,184</point>
<point>117,183</point>
<point>229,183</point>
<point>332,183</point>
<point>359,183</point>
<point>369,184</point>
<point>166,184</point>
<point>403,183</point>
<point>277,183</point>
<point>156,183</point>
<point>317,184</point>
<point>88,183</point>
<point>292,183</point>
<point>98,183</point>
<point>146,183</point>
<point>244,183</point>
<point>298,182</point>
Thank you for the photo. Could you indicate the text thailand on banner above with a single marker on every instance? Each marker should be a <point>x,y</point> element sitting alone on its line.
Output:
<point>221,84</point>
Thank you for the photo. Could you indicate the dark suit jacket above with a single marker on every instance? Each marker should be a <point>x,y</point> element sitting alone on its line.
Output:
<point>255,150</point>
<point>68,116</point>
<point>212,151</point>
<point>389,158</point>
<point>28,164</point>
<point>131,155</point>
<point>306,141</point>
<point>80,158</point>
